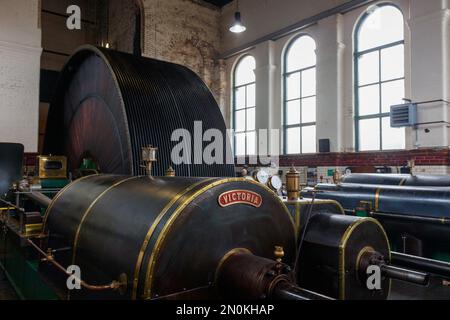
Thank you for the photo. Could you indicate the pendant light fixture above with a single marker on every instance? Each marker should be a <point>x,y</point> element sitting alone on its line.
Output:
<point>237,26</point>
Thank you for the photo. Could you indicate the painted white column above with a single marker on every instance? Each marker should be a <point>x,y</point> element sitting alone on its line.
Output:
<point>20,51</point>
<point>267,115</point>
<point>330,113</point>
<point>429,26</point>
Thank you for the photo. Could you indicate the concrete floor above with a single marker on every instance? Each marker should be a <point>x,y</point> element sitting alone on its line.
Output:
<point>6,291</point>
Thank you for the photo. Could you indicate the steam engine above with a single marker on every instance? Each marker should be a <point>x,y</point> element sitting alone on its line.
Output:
<point>138,226</point>
<point>164,235</point>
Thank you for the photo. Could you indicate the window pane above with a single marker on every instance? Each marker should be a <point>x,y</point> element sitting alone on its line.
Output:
<point>309,139</point>
<point>393,63</point>
<point>293,86</point>
<point>239,120</point>
<point>240,98</point>
<point>250,119</point>
<point>309,110</point>
<point>251,143</point>
<point>293,140</point>
<point>251,96</point>
<point>293,112</point>
<point>369,100</point>
<point>369,134</point>
<point>301,54</point>
<point>392,93</point>
<point>384,25</point>
<point>368,68</point>
<point>393,138</point>
<point>309,82</point>
<point>245,71</point>
<point>240,144</point>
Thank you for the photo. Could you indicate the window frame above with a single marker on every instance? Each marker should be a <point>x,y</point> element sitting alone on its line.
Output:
<point>285,76</point>
<point>356,55</point>
<point>246,108</point>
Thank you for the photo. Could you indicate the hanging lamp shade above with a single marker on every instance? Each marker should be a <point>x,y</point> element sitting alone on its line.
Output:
<point>237,26</point>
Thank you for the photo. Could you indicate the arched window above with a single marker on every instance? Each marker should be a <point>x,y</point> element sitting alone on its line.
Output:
<point>379,77</point>
<point>244,106</point>
<point>300,96</point>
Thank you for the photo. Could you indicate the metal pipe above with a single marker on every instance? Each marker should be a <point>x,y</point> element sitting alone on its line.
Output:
<point>114,285</point>
<point>444,221</point>
<point>286,291</point>
<point>38,197</point>
<point>440,268</point>
<point>11,205</point>
<point>411,276</point>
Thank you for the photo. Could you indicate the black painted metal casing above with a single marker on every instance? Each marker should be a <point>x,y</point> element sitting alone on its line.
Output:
<point>419,212</point>
<point>167,235</point>
<point>398,179</point>
<point>331,252</point>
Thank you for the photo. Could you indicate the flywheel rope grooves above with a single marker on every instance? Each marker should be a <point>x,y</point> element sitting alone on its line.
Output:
<point>175,104</point>
<point>147,99</point>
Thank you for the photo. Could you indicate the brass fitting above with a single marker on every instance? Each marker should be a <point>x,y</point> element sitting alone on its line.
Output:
<point>336,177</point>
<point>278,253</point>
<point>293,184</point>
<point>170,172</point>
<point>148,157</point>
<point>411,165</point>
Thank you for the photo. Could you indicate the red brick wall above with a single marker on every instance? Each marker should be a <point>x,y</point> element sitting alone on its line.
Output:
<point>422,157</point>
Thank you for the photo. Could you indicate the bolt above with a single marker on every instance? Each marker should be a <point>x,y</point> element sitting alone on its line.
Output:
<point>271,273</point>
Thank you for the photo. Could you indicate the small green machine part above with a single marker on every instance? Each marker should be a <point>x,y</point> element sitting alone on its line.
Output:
<point>88,164</point>
<point>88,167</point>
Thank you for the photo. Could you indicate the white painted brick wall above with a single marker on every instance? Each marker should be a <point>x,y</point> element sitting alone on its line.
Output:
<point>20,51</point>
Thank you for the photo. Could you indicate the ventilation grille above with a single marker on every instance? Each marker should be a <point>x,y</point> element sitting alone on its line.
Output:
<point>404,115</point>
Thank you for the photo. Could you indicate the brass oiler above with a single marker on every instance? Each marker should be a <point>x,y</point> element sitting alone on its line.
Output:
<point>148,158</point>
<point>293,184</point>
<point>278,253</point>
<point>170,172</point>
<point>337,177</point>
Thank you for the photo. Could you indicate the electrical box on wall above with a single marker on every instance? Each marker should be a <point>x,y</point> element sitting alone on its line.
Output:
<point>404,115</point>
<point>324,145</point>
